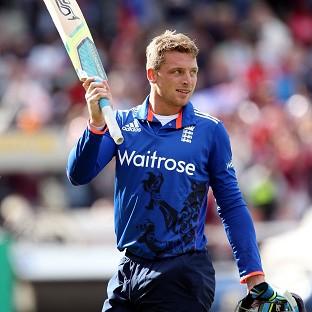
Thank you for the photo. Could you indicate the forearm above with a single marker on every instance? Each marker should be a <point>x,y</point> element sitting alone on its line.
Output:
<point>240,231</point>
<point>242,237</point>
<point>88,157</point>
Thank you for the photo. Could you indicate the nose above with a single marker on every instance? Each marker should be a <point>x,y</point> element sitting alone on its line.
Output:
<point>187,79</point>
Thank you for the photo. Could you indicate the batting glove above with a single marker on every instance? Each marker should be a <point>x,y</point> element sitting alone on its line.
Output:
<point>263,295</point>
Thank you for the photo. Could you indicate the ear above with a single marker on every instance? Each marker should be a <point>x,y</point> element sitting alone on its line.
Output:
<point>151,75</point>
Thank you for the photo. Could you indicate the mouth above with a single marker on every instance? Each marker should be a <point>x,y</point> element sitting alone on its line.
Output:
<point>183,91</point>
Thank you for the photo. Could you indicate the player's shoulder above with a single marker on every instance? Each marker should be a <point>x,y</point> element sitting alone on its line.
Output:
<point>205,118</point>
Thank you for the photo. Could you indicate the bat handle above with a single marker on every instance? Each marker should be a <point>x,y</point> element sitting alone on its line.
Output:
<point>111,122</point>
<point>104,102</point>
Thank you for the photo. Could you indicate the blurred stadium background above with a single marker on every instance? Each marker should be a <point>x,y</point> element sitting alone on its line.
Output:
<point>56,241</point>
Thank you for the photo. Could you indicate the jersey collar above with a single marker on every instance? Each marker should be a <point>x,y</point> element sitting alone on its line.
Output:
<point>185,117</point>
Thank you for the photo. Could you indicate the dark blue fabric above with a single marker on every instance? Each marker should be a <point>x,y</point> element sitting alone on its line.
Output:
<point>175,284</point>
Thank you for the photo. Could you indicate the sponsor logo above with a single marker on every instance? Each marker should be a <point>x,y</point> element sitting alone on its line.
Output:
<point>152,160</point>
<point>132,126</point>
<point>230,165</point>
<point>65,8</point>
<point>187,134</point>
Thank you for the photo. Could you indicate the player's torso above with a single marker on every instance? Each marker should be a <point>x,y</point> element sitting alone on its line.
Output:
<point>162,180</point>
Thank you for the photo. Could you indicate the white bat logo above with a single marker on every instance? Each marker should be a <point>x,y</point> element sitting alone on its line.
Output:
<point>65,9</point>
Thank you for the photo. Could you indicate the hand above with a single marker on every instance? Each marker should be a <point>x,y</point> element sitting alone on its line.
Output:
<point>95,90</point>
<point>264,295</point>
<point>254,280</point>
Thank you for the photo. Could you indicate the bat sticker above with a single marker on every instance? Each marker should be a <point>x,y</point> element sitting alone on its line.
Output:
<point>66,10</point>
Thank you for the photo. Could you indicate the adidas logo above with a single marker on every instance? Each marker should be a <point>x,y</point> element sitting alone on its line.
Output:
<point>132,126</point>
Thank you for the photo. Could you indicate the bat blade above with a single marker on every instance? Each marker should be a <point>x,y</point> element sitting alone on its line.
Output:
<point>81,49</point>
<point>89,59</point>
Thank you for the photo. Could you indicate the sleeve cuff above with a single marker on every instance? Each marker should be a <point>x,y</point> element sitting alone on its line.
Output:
<point>97,130</point>
<point>243,280</point>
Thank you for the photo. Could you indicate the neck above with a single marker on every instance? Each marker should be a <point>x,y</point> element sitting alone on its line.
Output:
<point>160,106</point>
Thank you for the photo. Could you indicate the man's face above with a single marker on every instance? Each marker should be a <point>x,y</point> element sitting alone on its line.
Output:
<point>176,79</point>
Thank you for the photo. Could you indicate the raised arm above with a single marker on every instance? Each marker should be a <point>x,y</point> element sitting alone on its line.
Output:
<point>95,148</point>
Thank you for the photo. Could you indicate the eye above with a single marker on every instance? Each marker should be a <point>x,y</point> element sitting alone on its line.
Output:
<point>177,71</point>
<point>194,72</point>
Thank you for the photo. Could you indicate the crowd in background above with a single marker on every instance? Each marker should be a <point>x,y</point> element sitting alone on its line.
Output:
<point>255,74</point>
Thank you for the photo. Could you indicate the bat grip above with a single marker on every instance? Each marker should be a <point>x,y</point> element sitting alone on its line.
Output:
<point>110,119</point>
<point>104,102</point>
<point>111,122</point>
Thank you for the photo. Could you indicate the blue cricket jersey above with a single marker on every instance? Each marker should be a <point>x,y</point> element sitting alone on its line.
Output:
<point>162,178</point>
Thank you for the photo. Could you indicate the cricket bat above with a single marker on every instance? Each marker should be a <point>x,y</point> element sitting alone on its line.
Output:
<point>81,49</point>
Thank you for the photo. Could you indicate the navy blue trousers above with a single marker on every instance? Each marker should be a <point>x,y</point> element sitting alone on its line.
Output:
<point>178,284</point>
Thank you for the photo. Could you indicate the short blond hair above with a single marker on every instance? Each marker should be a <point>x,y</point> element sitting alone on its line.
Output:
<point>168,41</point>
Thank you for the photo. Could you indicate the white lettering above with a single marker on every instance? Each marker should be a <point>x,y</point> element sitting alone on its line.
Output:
<point>159,161</point>
<point>181,165</point>
<point>125,156</point>
<point>147,158</point>
<point>152,160</point>
<point>174,164</point>
<point>141,163</point>
<point>190,169</point>
<point>230,165</point>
